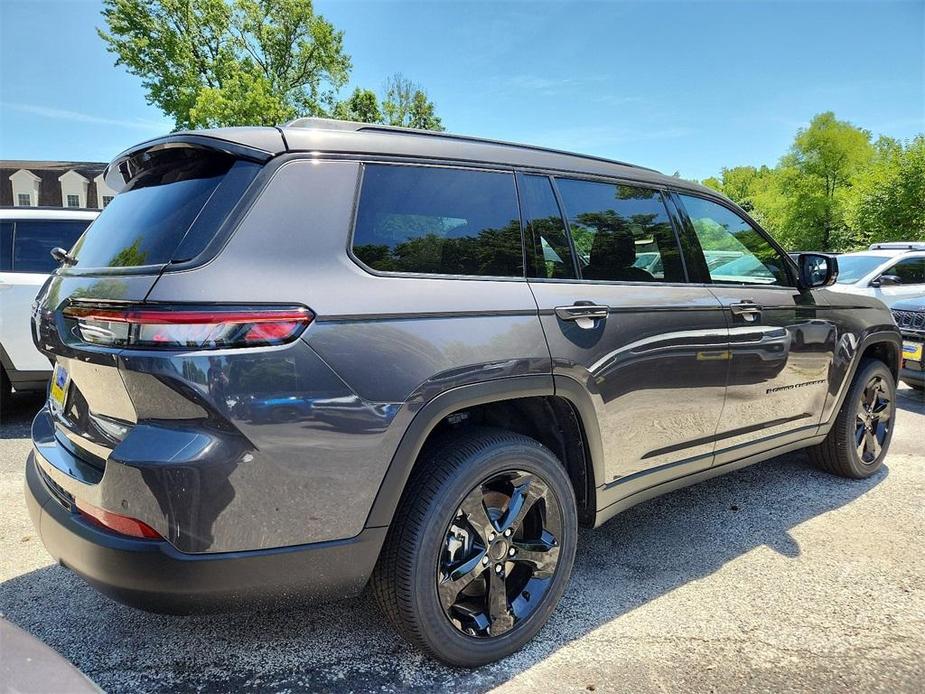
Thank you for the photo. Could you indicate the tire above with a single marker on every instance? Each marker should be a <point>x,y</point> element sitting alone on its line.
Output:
<point>914,385</point>
<point>483,469</point>
<point>840,454</point>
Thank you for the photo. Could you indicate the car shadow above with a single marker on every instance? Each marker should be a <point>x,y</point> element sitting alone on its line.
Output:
<point>642,554</point>
<point>16,418</point>
<point>910,399</point>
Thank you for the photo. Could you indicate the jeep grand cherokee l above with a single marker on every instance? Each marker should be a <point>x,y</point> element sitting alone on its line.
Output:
<point>291,361</point>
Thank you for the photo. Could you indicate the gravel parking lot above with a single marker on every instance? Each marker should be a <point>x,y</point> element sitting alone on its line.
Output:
<point>776,577</point>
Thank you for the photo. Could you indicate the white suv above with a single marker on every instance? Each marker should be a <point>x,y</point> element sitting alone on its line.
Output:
<point>27,236</point>
<point>888,271</point>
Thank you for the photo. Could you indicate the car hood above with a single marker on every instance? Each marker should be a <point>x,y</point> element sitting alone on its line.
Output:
<point>914,304</point>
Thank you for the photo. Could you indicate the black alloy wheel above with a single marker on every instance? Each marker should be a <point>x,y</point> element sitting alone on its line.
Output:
<point>500,554</point>
<point>481,547</point>
<point>874,419</point>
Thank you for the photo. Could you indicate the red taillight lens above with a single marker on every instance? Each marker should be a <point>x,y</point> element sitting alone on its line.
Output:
<point>187,328</point>
<point>117,523</point>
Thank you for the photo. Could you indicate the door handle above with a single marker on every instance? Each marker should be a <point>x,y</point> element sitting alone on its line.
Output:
<point>749,310</point>
<point>584,314</point>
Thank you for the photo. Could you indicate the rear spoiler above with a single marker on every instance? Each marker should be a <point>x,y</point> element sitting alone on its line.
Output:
<point>126,165</point>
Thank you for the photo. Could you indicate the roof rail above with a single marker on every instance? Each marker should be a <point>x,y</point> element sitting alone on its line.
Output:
<point>350,126</point>
<point>898,245</point>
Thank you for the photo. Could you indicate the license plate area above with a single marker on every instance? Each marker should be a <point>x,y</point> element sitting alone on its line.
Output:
<point>60,384</point>
<point>912,351</point>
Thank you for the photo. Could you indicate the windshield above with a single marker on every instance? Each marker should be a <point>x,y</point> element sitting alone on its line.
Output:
<point>851,268</point>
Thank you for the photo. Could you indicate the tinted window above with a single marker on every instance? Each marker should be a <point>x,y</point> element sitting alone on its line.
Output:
<point>909,271</point>
<point>146,221</point>
<point>547,242</point>
<point>436,220</point>
<point>621,233</point>
<point>33,241</point>
<point>6,246</point>
<point>735,252</point>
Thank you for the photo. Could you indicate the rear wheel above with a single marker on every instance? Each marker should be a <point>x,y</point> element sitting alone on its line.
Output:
<point>478,556</point>
<point>858,441</point>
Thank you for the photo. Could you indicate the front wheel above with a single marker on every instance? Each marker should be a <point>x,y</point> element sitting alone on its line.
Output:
<point>858,441</point>
<point>481,548</point>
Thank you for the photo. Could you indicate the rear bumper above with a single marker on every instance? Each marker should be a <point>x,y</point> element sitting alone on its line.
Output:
<point>153,575</point>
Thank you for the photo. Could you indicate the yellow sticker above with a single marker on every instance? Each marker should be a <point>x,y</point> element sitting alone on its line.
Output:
<point>912,351</point>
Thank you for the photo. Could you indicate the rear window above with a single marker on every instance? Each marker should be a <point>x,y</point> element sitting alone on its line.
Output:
<point>33,241</point>
<point>145,223</point>
<point>439,221</point>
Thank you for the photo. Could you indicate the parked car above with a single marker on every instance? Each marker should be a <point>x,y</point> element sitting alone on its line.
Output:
<point>888,271</point>
<point>909,315</point>
<point>480,366</point>
<point>27,236</point>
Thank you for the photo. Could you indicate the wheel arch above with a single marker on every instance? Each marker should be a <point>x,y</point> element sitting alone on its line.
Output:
<point>886,346</point>
<point>536,394</point>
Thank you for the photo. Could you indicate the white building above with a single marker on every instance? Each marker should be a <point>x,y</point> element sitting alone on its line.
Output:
<point>53,184</point>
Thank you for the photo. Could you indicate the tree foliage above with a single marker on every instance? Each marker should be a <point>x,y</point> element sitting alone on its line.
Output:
<point>888,198</point>
<point>834,189</point>
<point>211,63</point>
<point>406,104</point>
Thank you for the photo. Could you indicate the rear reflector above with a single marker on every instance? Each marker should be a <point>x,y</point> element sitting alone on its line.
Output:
<point>187,328</point>
<point>117,523</point>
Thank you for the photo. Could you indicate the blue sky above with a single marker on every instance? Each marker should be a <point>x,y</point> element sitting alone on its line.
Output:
<point>678,86</point>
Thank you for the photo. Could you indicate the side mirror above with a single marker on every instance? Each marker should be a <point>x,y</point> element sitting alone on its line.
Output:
<point>817,270</point>
<point>62,257</point>
<point>886,281</point>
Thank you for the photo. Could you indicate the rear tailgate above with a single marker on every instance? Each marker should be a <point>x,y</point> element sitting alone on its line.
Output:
<point>174,198</point>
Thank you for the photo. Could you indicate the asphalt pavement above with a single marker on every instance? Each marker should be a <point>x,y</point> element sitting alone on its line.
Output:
<point>777,577</point>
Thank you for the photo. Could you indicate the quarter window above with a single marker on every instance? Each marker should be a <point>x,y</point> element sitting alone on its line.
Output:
<point>735,252</point>
<point>439,221</point>
<point>548,252</point>
<point>909,271</point>
<point>621,233</point>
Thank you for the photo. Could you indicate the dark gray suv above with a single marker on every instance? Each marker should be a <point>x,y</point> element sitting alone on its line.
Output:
<point>293,361</point>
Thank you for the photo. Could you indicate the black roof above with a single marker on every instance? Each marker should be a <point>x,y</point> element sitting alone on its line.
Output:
<point>344,137</point>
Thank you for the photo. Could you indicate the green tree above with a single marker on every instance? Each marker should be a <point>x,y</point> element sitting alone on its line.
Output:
<point>362,106</point>
<point>405,104</point>
<point>222,62</point>
<point>821,164</point>
<point>887,200</point>
<point>804,199</point>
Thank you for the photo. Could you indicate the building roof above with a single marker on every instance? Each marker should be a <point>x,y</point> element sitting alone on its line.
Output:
<point>49,174</point>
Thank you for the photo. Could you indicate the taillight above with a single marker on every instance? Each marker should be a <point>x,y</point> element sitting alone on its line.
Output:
<point>177,327</point>
<point>115,522</point>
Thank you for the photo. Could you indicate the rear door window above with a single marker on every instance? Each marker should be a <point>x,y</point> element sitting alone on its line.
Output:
<point>621,233</point>
<point>33,241</point>
<point>434,220</point>
<point>148,220</point>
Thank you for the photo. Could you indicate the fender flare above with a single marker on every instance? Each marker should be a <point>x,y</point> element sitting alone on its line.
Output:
<point>459,398</point>
<point>881,336</point>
